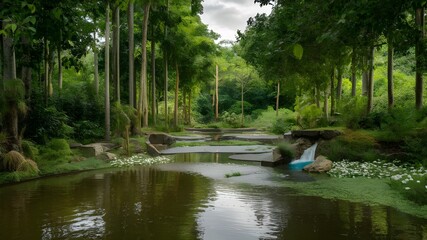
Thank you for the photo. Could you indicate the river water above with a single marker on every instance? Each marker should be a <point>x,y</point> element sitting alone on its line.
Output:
<point>189,199</point>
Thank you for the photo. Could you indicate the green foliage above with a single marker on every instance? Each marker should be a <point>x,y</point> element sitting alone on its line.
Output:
<point>237,108</point>
<point>286,150</point>
<point>56,150</point>
<point>281,125</point>
<point>14,90</point>
<point>87,131</point>
<point>12,160</point>
<point>352,145</point>
<point>267,120</point>
<point>231,119</point>
<point>29,149</point>
<point>204,108</point>
<point>47,123</point>
<point>309,116</point>
<point>352,119</point>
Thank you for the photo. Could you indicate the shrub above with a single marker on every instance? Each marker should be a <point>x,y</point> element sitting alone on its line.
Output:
<point>29,166</point>
<point>56,150</point>
<point>29,149</point>
<point>352,145</point>
<point>204,108</point>
<point>309,116</point>
<point>12,160</point>
<point>282,125</point>
<point>87,131</point>
<point>231,119</point>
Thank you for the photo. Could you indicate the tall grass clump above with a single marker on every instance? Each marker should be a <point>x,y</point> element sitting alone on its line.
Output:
<point>56,150</point>
<point>28,166</point>
<point>12,160</point>
<point>287,151</point>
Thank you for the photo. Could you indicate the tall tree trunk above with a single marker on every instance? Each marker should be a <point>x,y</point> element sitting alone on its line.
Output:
<point>371,81</point>
<point>175,114</point>
<point>165,94</point>
<point>390,83</point>
<point>51,66</point>
<point>317,95</point>
<point>116,52</point>
<point>153,77</point>
<point>216,93</point>
<point>419,49</point>
<point>143,101</point>
<point>9,74</point>
<point>26,70</point>
<point>60,63</point>
<point>46,70</point>
<point>184,106</point>
<point>326,105</point>
<point>189,108</point>
<point>333,92</point>
<point>131,53</point>
<point>353,74</point>
<point>277,98</point>
<point>107,73</point>
<point>365,77</point>
<point>165,57</point>
<point>339,83</point>
<point>95,63</point>
<point>243,113</point>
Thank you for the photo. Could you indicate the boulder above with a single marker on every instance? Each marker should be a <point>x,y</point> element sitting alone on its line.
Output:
<point>315,134</point>
<point>107,156</point>
<point>161,138</point>
<point>91,150</point>
<point>320,165</point>
<point>152,150</point>
<point>300,145</point>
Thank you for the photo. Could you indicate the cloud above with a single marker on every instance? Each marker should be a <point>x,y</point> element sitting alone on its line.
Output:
<point>227,16</point>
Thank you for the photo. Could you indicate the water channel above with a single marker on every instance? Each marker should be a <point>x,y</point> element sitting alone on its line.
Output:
<point>190,199</point>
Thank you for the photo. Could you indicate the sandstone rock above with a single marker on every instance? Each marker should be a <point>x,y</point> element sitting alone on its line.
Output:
<point>300,145</point>
<point>161,138</point>
<point>152,150</point>
<point>107,156</point>
<point>91,150</point>
<point>320,165</point>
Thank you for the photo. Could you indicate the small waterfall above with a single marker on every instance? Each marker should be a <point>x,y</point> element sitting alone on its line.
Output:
<point>306,158</point>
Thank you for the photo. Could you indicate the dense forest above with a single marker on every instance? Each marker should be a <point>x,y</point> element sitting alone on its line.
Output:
<point>89,70</point>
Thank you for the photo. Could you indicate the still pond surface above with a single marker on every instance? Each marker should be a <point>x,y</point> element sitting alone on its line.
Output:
<point>189,199</point>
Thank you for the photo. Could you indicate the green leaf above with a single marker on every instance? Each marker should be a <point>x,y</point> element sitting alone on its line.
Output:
<point>298,51</point>
<point>32,29</point>
<point>71,43</point>
<point>13,27</point>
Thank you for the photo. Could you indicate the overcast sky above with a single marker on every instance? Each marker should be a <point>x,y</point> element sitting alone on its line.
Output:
<point>227,16</point>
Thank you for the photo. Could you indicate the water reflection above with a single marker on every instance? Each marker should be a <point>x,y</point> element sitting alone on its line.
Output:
<point>149,203</point>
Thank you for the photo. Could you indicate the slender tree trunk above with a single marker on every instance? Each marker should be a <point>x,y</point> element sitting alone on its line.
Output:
<point>51,66</point>
<point>166,90</point>
<point>419,49</point>
<point>333,92</point>
<point>144,98</point>
<point>339,84</point>
<point>184,106</point>
<point>189,108</point>
<point>353,74</point>
<point>175,114</point>
<point>116,36</point>
<point>9,74</point>
<point>60,63</point>
<point>26,69</point>
<point>326,105</point>
<point>165,57</point>
<point>317,95</point>
<point>107,73</point>
<point>46,70</point>
<point>95,63</point>
<point>131,53</point>
<point>365,77</point>
<point>243,113</point>
<point>390,83</point>
<point>216,93</point>
<point>153,77</point>
<point>371,81</point>
<point>277,98</point>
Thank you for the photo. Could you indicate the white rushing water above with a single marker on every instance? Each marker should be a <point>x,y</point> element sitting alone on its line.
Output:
<point>306,158</point>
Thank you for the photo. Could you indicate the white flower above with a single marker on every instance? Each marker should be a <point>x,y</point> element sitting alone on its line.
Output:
<point>407,188</point>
